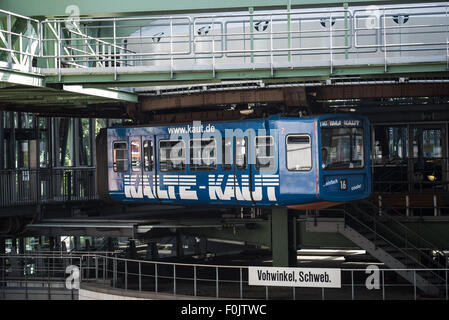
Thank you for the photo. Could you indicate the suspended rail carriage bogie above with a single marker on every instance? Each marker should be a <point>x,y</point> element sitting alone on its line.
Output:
<point>303,163</point>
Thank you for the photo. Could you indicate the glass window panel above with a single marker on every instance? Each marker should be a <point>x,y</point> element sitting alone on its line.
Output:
<point>135,156</point>
<point>203,155</point>
<point>172,155</point>
<point>148,155</point>
<point>265,153</point>
<point>120,156</point>
<point>85,147</point>
<point>64,145</point>
<point>241,153</point>
<point>99,124</point>
<point>299,153</point>
<point>342,148</point>
<point>227,154</point>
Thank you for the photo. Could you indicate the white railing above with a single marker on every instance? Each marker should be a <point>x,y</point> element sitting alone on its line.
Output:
<point>270,40</point>
<point>211,281</point>
<point>19,41</point>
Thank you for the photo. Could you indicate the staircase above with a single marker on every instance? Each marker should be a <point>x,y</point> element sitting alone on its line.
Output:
<point>389,241</point>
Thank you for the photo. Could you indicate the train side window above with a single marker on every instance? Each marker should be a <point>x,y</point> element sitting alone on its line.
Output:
<point>264,153</point>
<point>299,153</point>
<point>172,155</point>
<point>241,153</point>
<point>148,155</point>
<point>120,156</point>
<point>227,153</point>
<point>135,156</point>
<point>203,155</point>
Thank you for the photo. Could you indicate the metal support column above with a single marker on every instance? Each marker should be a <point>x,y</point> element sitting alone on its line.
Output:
<point>283,244</point>
<point>2,141</point>
<point>132,251</point>
<point>2,246</point>
<point>179,245</point>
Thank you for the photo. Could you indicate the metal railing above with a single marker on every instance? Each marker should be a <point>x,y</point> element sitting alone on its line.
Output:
<point>19,40</point>
<point>198,280</point>
<point>28,187</point>
<point>396,235</point>
<point>277,39</point>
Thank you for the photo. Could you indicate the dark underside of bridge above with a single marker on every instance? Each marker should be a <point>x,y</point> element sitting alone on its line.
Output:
<point>390,104</point>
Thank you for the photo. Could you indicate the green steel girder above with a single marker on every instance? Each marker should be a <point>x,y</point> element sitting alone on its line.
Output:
<point>11,77</point>
<point>51,8</point>
<point>318,73</point>
<point>33,89</point>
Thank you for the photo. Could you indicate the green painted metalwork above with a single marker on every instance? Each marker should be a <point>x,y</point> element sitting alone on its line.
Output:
<point>251,27</point>
<point>298,74</point>
<point>21,78</point>
<point>280,240</point>
<point>345,6</point>
<point>51,8</point>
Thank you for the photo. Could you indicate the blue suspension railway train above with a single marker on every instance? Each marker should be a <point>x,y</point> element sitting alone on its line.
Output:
<point>301,163</point>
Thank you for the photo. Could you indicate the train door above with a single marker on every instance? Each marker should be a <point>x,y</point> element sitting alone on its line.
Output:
<point>135,179</point>
<point>149,168</point>
<point>119,176</point>
<point>296,165</point>
<point>264,174</point>
<point>146,169</point>
<point>243,172</point>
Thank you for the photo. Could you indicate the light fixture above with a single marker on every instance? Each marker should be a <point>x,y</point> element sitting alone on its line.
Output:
<point>247,112</point>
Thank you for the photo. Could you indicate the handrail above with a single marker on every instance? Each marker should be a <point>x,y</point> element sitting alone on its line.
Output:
<point>407,255</point>
<point>225,41</point>
<point>407,229</point>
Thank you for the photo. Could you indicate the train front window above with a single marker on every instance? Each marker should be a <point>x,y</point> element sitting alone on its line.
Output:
<point>342,148</point>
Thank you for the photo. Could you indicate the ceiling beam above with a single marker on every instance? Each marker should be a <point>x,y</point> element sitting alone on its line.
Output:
<point>288,96</point>
<point>380,91</point>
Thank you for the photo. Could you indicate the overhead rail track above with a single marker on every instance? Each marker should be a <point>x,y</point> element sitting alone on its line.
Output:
<point>307,44</point>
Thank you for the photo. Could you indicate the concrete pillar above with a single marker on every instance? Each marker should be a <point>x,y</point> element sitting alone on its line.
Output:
<point>51,241</point>
<point>63,246</point>
<point>179,245</point>
<point>21,245</point>
<point>283,244</point>
<point>14,245</point>
<point>76,243</point>
<point>197,246</point>
<point>110,244</point>
<point>132,251</point>
<point>152,251</point>
<point>2,245</point>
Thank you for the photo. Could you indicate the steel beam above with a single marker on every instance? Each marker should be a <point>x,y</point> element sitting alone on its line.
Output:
<point>289,96</point>
<point>20,78</point>
<point>103,93</point>
<point>381,91</point>
<point>49,8</point>
<point>142,77</point>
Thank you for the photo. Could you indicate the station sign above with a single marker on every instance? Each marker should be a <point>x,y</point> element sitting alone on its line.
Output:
<point>295,277</point>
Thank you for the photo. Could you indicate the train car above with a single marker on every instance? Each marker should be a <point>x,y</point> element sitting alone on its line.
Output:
<point>301,163</point>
